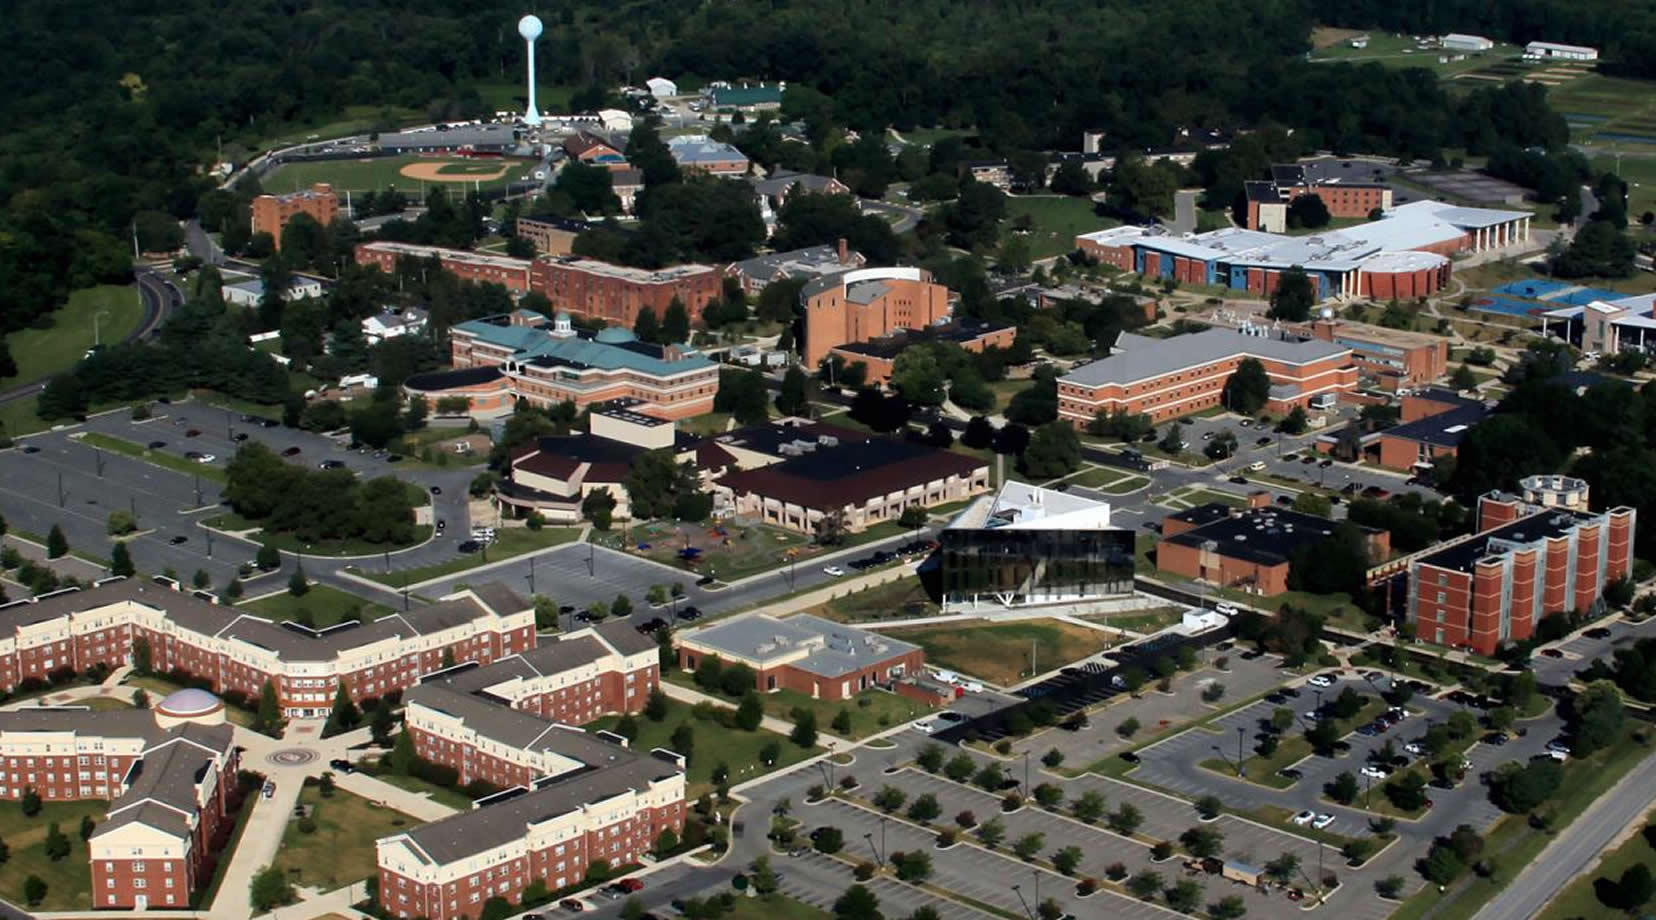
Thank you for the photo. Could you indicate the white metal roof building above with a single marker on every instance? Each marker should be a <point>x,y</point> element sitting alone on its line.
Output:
<point>1556,51</point>
<point>1456,41</point>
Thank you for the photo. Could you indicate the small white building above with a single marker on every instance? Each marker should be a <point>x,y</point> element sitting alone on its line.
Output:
<point>615,121</point>
<point>393,323</point>
<point>1457,41</point>
<point>1360,42</point>
<point>248,293</point>
<point>1554,51</point>
<point>661,87</point>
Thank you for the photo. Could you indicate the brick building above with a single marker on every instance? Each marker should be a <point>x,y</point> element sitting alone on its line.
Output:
<point>1525,562</point>
<point>1268,201</point>
<point>1247,549</point>
<point>464,264</point>
<point>810,262</point>
<point>171,790</point>
<point>867,303</point>
<point>617,293</point>
<point>270,213</point>
<point>552,236</point>
<point>1398,358</point>
<point>1168,378</point>
<point>575,677</point>
<point>803,653</point>
<point>498,360</point>
<point>240,653</point>
<point>879,355</point>
<point>1431,426</point>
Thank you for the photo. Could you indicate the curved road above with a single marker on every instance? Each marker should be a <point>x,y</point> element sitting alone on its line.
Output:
<point>159,296</point>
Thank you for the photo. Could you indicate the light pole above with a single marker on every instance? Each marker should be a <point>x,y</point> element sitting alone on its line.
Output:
<point>1018,890</point>
<point>1241,732</point>
<point>869,837</point>
<point>1026,773</point>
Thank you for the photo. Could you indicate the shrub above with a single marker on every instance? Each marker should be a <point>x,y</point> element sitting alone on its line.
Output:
<point>864,871</point>
<point>307,825</point>
<point>1086,886</point>
<point>1163,850</point>
<point>1053,758</point>
<point>1003,747</point>
<point>1115,871</point>
<point>1012,802</point>
<point>966,819</point>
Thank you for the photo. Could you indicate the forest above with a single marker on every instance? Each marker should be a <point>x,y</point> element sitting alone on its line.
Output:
<point>115,108</point>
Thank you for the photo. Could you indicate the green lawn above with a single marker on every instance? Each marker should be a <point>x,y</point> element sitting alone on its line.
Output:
<point>904,597</point>
<point>289,543</point>
<point>442,795</point>
<point>373,174</point>
<point>1142,621</point>
<point>712,744</point>
<point>341,849</point>
<point>773,907</point>
<point>327,605</point>
<point>68,880</point>
<point>1106,479</point>
<point>1580,899</point>
<point>713,423</point>
<point>161,458</point>
<point>1389,51</point>
<point>510,95</point>
<point>871,711</point>
<point>736,553</point>
<point>40,353</point>
<point>1058,220</point>
<point>1513,843</point>
<point>999,653</point>
<point>509,542</point>
<point>159,687</point>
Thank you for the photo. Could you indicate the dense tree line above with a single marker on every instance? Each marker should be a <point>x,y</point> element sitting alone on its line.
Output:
<point>316,505</point>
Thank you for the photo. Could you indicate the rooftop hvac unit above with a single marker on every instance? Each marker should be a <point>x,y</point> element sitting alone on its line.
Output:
<point>828,440</point>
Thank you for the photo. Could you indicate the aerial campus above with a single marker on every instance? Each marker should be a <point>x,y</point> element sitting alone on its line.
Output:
<point>502,463</point>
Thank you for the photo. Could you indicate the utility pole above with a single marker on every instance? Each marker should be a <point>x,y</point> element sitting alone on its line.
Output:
<point>132,505</point>
<point>209,543</point>
<point>592,561</point>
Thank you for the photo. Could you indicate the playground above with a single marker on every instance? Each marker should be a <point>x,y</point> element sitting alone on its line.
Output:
<point>725,551</point>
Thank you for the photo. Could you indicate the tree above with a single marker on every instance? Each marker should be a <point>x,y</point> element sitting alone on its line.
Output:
<point>1600,249</point>
<point>1088,807</point>
<point>344,716</point>
<point>857,903</point>
<point>1598,718</point>
<point>1202,842</point>
<point>1183,896</point>
<point>140,699</point>
<point>794,396</point>
<point>683,740</point>
<point>990,833</point>
<point>57,843</point>
<point>1067,859</point>
<point>1172,441</point>
<point>1145,885</point>
<point>1308,212</point>
<point>1635,887</point>
<point>297,584</point>
<point>930,757</point>
<point>1048,795</point>
<point>1390,887</point>
<point>1027,846</point>
<point>1071,179</point>
<point>1247,389</point>
<point>655,706</point>
<point>960,768</point>
<point>751,712</point>
<point>1294,296</point>
<point>120,561</point>
<point>915,866</point>
<point>1463,378</point>
<point>889,799</point>
<point>1343,788</point>
<point>1209,806</point>
<point>675,322</point>
<point>924,809</point>
<point>269,717</point>
<point>1054,451</point>
<point>30,802</point>
<point>269,889</point>
<point>34,890</point>
<point>1125,820</point>
<point>57,545</point>
<point>1283,869</point>
<point>1229,907</point>
<point>828,840</point>
<point>804,732</point>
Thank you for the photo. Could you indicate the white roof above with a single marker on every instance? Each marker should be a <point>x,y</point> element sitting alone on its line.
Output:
<point>1021,506</point>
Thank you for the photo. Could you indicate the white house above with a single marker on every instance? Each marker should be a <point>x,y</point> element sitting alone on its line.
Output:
<point>389,325</point>
<point>248,293</point>
<point>661,87</point>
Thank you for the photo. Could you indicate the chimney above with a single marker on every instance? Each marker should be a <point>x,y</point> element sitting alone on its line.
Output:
<point>844,252</point>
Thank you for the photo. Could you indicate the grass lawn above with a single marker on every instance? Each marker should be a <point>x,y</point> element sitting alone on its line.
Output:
<point>41,353</point>
<point>1512,843</point>
<point>327,605</point>
<point>289,543</point>
<point>68,880</point>
<point>712,744</point>
<point>773,907</point>
<point>341,849</point>
<point>734,553</point>
<point>1389,50</point>
<point>1058,219</point>
<point>442,795</point>
<point>104,704</point>
<point>904,597</point>
<point>153,457</point>
<point>509,542</point>
<point>713,423</point>
<point>999,653</point>
<point>871,711</point>
<point>1579,899</point>
<point>1142,621</point>
<point>378,173</point>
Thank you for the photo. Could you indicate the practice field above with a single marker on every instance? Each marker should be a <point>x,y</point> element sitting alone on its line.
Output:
<point>1608,110</point>
<point>999,653</point>
<point>401,172</point>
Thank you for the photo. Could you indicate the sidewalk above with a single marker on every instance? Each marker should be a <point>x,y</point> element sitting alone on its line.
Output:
<point>769,723</point>
<point>380,792</point>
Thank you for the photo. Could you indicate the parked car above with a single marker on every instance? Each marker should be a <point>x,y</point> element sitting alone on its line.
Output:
<point>630,885</point>
<point>205,458</point>
<point>571,905</point>
<point>1323,821</point>
<point>691,612</point>
<point>291,452</point>
<point>469,546</point>
<point>1291,773</point>
<point>157,445</point>
<point>342,765</point>
<point>193,432</point>
<point>331,465</point>
<point>175,541</point>
<point>436,490</point>
<point>1304,818</point>
<point>442,525</point>
<point>1321,680</point>
<point>1239,480</point>
<point>269,788</point>
<point>1373,772</point>
<point>833,570</point>
<point>1597,632</point>
<point>239,437</point>
<point>1552,653</point>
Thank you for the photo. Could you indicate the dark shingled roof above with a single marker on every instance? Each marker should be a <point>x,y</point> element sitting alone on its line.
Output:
<point>434,381</point>
<point>829,478</point>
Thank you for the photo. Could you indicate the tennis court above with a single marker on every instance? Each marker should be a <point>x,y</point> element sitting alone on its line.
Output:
<point>1508,306</point>
<point>1556,292</point>
<point>1535,290</point>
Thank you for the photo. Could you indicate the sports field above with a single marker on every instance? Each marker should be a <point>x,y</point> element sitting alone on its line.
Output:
<point>401,172</point>
<point>1609,111</point>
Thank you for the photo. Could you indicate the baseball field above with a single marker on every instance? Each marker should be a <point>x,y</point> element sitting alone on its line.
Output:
<point>403,172</point>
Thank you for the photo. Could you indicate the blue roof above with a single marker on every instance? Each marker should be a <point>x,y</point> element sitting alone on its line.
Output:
<point>530,343</point>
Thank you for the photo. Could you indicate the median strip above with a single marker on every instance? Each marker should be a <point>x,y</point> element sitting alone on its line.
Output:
<point>152,457</point>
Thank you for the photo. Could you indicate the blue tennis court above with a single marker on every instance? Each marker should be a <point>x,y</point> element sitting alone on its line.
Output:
<point>1506,305</point>
<point>1587,296</point>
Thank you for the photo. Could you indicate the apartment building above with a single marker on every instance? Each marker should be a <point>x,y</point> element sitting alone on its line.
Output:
<point>270,213</point>
<point>618,293</point>
<point>575,677</point>
<point>240,652</point>
<point>479,267</point>
<point>867,303</point>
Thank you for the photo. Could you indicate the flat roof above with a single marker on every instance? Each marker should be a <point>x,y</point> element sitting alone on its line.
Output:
<point>447,255</point>
<point>1021,506</point>
<point>1545,525</point>
<point>1146,358</point>
<point>1264,536</point>
<point>1380,335</point>
<point>666,275</point>
<point>829,478</point>
<point>1446,429</point>
<point>889,346</point>
<point>833,648</point>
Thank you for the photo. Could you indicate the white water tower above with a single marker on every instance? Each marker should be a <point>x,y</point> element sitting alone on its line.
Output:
<point>530,28</point>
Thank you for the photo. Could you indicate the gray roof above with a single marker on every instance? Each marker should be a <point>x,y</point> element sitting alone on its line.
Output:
<point>625,639</point>
<point>699,148</point>
<point>462,835</point>
<point>1146,358</point>
<point>516,728</point>
<point>118,723</point>
<point>291,642</point>
<point>163,782</point>
<point>780,181</point>
<point>810,262</point>
<point>865,291</point>
<point>835,648</point>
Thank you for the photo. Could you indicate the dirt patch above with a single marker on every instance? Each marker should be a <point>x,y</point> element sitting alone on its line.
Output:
<point>1327,36</point>
<point>999,652</point>
<point>433,172</point>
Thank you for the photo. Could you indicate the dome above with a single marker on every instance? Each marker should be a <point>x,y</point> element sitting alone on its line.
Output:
<point>613,335</point>
<point>188,702</point>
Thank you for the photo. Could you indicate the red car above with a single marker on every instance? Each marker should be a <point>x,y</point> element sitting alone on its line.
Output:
<point>630,885</point>
<point>572,905</point>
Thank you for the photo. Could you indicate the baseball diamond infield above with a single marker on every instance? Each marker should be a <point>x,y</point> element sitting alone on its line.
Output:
<point>457,171</point>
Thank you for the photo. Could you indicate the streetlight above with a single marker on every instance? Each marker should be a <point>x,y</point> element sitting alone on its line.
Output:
<point>1018,890</point>
<point>1241,731</point>
<point>1026,772</point>
<point>877,860</point>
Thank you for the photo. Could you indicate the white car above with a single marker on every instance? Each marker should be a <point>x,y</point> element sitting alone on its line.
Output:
<point>1323,820</point>
<point>1415,748</point>
<point>1313,716</point>
<point>206,458</point>
<point>1304,818</point>
<point>1226,609</point>
<point>1558,747</point>
<point>1321,680</point>
<point>1373,772</point>
<point>833,570</point>
<point>925,726</point>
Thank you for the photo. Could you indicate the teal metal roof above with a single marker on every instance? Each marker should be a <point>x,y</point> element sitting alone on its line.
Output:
<point>747,95</point>
<point>528,344</point>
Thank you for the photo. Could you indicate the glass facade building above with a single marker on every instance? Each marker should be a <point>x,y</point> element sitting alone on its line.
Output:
<point>1014,566</point>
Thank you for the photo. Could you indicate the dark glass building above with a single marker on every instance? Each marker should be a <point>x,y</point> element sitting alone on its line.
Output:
<point>1027,545</point>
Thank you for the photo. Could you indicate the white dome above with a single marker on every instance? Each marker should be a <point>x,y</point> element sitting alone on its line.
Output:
<point>530,27</point>
<point>188,702</point>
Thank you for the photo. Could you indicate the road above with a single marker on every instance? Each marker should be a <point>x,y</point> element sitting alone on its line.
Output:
<point>910,216</point>
<point>1184,211</point>
<point>1576,847</point>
